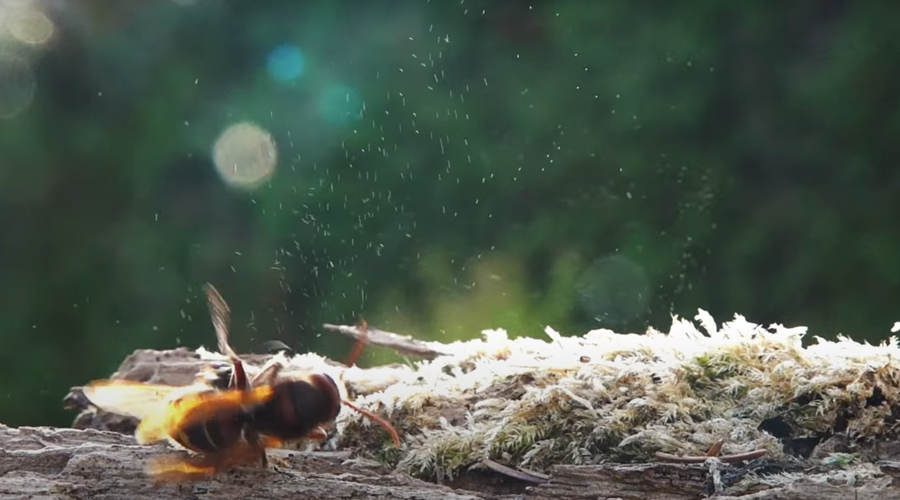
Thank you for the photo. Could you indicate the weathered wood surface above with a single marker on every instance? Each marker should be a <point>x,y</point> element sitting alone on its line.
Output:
<point>46,463</point>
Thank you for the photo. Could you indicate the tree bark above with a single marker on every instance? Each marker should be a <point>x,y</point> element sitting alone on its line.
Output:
<point>46,463</point>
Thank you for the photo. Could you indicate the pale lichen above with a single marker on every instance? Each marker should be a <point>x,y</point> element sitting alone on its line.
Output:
<point>607,396</point>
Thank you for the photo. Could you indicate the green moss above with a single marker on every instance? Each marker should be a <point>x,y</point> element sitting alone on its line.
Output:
<point>535,404</point>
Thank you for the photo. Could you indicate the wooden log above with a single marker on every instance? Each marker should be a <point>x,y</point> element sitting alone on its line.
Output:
<point>46,463</point>
<point>584,379</point>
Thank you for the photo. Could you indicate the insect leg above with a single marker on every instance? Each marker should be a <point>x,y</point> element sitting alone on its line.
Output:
<point>360,343</point>
<point>267,374</point>
<point>238,375</point>
<point>253,439</point>
<point>317,434</point>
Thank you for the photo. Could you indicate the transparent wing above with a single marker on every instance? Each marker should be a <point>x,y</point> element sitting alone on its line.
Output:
<point>130,398</point>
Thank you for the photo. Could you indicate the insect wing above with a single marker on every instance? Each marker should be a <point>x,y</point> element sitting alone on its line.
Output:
<point>130,398</point>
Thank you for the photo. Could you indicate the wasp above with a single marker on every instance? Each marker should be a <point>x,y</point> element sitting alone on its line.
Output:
<point>229,426</point>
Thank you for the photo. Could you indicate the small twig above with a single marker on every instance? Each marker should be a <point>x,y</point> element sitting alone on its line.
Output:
<point>740,457</point>
<point>545,477</point>
<point>517,474</point>
<point>403,344</point>
<point>716,449</point>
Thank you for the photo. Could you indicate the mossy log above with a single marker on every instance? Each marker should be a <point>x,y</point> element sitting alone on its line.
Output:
<point>601,416</point>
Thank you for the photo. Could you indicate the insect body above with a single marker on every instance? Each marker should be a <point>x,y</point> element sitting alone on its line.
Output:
<point>215,424</point>
<point>231,425</point>
<point>301,402</point>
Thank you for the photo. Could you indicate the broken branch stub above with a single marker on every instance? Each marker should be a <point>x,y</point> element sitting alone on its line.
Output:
<point>401,344</point>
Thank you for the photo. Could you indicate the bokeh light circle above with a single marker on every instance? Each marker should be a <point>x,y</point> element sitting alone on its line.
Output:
<point>17,84</point>
<point>286,63</point>
<point>245,155</point>
<point>339,104</point>
<point>30,26</point>
<point>16,4</point>
<point>614,290</point>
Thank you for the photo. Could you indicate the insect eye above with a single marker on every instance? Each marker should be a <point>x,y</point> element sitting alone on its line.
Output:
<point>330,380</point>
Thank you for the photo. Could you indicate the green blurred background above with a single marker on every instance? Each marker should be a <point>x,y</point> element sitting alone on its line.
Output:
<point>439,168</point>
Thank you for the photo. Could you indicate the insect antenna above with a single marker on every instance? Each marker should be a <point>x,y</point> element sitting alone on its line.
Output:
<point>361,340</point>
<point>378,420</point>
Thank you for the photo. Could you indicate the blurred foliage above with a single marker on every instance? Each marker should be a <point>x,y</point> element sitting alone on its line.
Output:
<point>443,167</point>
